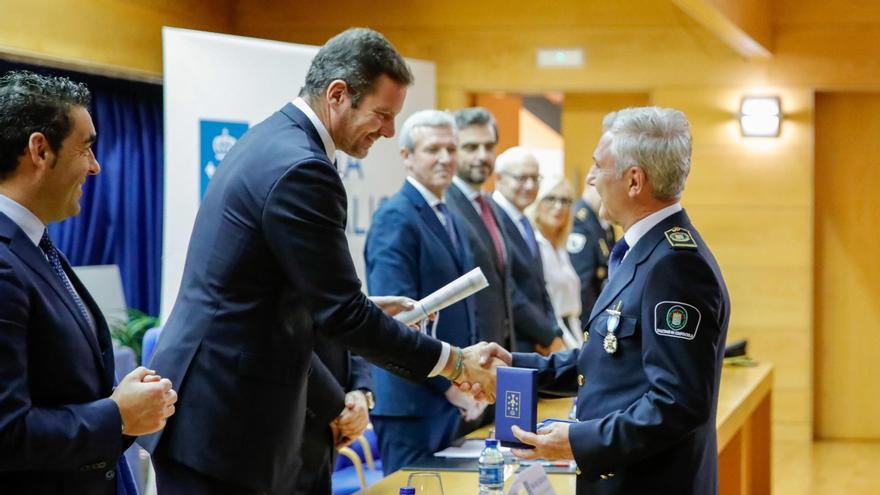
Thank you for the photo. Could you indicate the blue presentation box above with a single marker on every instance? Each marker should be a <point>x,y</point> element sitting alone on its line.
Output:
<point>517,396</point>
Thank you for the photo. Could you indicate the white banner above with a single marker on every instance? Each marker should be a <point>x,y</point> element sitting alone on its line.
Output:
<point>216,87</point>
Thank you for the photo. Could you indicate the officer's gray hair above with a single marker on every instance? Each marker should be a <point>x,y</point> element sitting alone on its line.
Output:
<point>658,140</point>
<point>423,118</point>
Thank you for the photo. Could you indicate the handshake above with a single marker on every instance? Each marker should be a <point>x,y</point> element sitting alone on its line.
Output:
<point>473,369</point>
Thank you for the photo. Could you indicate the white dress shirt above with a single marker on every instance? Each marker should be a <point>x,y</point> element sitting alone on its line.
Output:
<point>329,145</point>
<point>469,192</point>
<point>28,222</point>
<point>564,289</point>
<point>34,228</point>
<point>429,198</point>
<point>512,211</point>
<point>640,228</point>
<point>330,149</point>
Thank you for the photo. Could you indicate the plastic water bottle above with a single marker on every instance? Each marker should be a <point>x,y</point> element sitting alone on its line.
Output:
<point>491,469</point>
<point>407,490</point>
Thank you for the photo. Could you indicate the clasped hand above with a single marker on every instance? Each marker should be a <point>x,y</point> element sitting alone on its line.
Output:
<point>145,401</point>
<point>352,421</point>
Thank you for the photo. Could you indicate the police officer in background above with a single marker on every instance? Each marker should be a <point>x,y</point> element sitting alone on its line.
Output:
<point>646,379</point>
<point>589,245</point>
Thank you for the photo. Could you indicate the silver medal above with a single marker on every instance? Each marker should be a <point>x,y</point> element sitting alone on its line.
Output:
<point>610,342</point>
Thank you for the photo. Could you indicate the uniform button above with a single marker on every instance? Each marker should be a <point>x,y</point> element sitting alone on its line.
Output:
<point>101,465</point>
<point>577,471</point>
<point>109,475</point>
<point>580,380</point>
<point>586,336</point>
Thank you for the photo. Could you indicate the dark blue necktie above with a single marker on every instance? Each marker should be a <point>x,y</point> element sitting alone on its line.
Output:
<point>530,235</point>
<point>617,253</point>
<point>54,258</point>
<point>450,228</point>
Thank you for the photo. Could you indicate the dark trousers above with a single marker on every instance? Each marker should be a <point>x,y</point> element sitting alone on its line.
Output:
<point>174,478</point>
<point>318,455</point>
<point>405,441</point>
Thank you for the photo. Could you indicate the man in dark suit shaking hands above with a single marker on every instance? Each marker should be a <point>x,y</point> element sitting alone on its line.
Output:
<point>268,267</point>
<point>63,425</point>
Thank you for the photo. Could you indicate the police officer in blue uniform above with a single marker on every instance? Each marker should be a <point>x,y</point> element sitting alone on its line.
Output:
<point>646,379</point>
<point>589,245</point>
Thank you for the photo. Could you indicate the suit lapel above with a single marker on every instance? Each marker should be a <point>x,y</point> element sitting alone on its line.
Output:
<point>33,257</point>
<point>532,259</point>
<point>626,272</point>
<point>102,330</point>
<point>296,115</point>
<point>466,209</point>
<point>430,218</point>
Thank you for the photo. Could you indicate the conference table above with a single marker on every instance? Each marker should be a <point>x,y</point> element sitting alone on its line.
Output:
<point>744,431</point>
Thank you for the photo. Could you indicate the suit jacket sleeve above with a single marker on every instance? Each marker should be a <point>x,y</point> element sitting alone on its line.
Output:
<point>557,373</point>
<point>680,372</point>
<point>531,320</point>
<point>392,257</point>
<point>360,376</point>
<point>304,225</point>
<point>326,398</point>
<point>44,438</point>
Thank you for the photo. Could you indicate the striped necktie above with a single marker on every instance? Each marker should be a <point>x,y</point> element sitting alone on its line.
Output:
<point>450,228</point>
<point>54,258</point>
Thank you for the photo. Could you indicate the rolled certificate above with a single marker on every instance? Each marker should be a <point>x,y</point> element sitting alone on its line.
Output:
<point>445,296</point>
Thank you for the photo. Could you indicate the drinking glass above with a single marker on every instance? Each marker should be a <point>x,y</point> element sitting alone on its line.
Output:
<point>426,483</point>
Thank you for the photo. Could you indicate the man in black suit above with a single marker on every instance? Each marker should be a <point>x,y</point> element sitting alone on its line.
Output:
<point>477,138</point>
<point>339,378</point>
<point>63,425</point>
<point>268,267</point>
<point>345,382</point>
<point>516,187</point>
<point>589,245</point>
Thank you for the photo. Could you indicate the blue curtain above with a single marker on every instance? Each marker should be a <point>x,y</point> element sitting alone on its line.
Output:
<point>121,218</point>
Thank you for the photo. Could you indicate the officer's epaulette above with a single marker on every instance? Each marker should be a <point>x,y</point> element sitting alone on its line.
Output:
<point>680,238</point>
<point>581,214</point>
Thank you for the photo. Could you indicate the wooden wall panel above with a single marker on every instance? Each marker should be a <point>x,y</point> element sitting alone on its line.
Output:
<point>505,108</point>
<point>109,34</point>
<point>582,115</point>
<point>752,201</point>
<point>847,270</point>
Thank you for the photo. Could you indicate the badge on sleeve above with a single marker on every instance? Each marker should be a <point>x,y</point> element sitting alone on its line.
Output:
<point>575,242</point>
<point>680,238</point>
<point>676,319</point>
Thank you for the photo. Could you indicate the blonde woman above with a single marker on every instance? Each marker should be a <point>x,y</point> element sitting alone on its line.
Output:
<point>550,214</point>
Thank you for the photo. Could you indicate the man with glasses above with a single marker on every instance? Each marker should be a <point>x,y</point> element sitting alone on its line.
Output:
<point>516,187</point>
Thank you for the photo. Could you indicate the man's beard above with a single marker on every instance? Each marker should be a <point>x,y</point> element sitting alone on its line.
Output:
<point>478,174</point>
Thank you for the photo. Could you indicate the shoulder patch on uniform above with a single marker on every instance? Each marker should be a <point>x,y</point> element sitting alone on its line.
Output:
<point>676,319</point>
<point>575,243</point>
<point>680,238</point>
<point>581,214</point>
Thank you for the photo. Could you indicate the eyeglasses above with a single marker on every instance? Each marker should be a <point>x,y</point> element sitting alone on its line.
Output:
<point>523,178</point>
<point>560,200</point>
